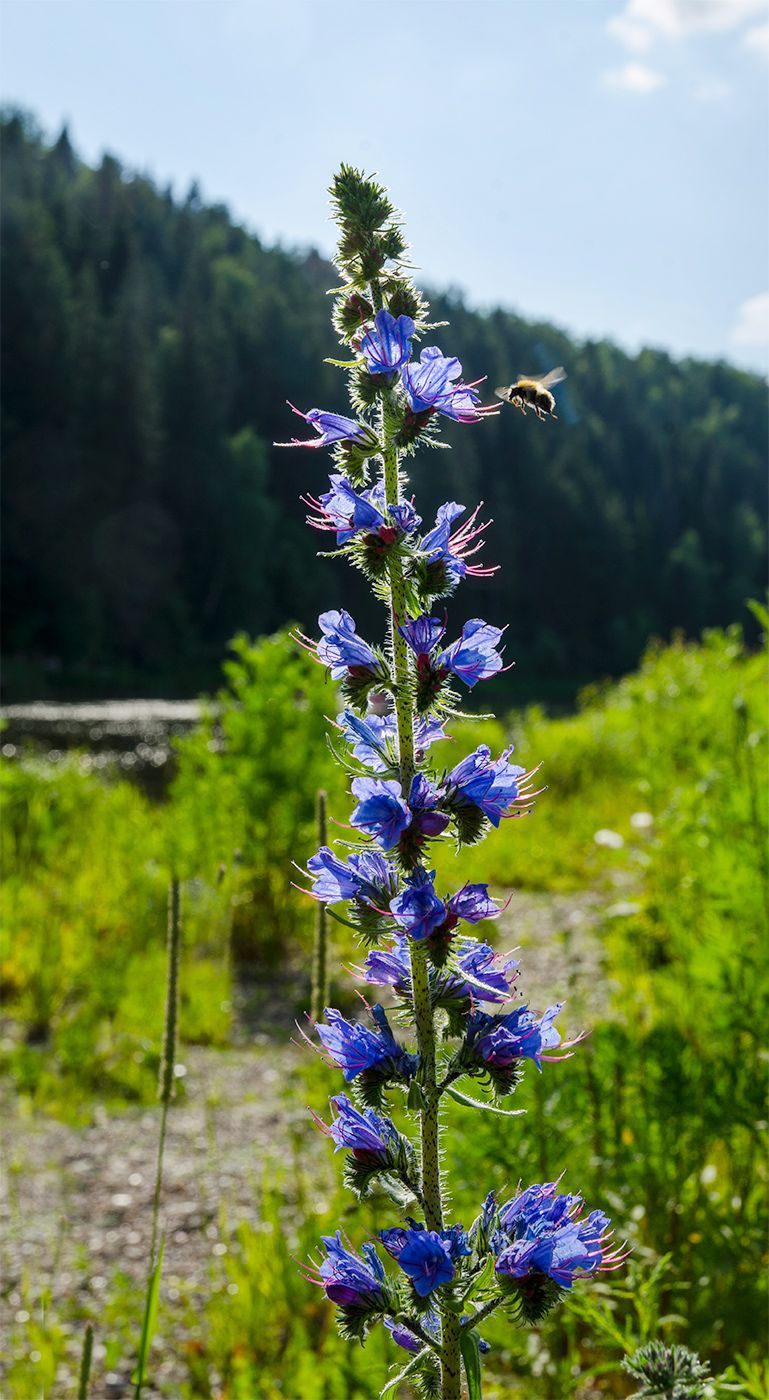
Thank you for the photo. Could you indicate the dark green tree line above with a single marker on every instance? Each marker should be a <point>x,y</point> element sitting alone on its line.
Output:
<point>148,346</point>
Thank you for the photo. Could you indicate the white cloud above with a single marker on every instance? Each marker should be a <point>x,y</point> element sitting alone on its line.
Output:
<point>634,77</point>
<point>757,39</point>
<point>642,22</point>
<point>752,325</point>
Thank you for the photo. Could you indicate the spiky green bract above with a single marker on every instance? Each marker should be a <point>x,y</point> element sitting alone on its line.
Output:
<point>354,1324</point>
<point>531,1298</point>
<point>502,1080</point>
<point>353,459</point>
<point>371,1085</point>
<point>373,555</point>
<point>426,1379</point>
<point>668,1372</point>
<point>471,825</point>
<point>401,1161</point>
<point>359,682</point>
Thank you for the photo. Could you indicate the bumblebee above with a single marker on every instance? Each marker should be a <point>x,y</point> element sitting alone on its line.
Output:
<point>534,393</point>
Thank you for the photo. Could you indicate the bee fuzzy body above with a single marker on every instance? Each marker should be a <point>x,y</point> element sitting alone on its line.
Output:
<point>532,393</point>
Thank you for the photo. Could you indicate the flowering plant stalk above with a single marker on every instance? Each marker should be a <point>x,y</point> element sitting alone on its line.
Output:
<point>521,1254</point>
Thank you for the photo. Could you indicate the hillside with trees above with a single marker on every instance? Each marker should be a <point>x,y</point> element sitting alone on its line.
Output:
<point>149,346</point>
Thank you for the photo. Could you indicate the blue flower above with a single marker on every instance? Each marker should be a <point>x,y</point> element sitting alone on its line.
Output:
<point>479,960</point>
<point>542,1231</point>
<point>341,647</point>
<point>388,346</point>
<point>418,909</point>
<point>366,1134</point>
<point>347,511</point>
<point>473,657</point>
<point>364,875</point>
<point>371,739</point>
<point>405,517</point>
<point>355,1049</point>
<point>437,543</point>
<point>348,1281</point>
<point>500,1041</point>
<point>430,384</point>
<point>492,787</point>
<point>473,903</point>
<point>427,731</point>
<point>423,1255</point>
<point>422,633</point>
<point>381,811</point>
<point>333,427</point>
<point>390,967</point>
<point>423,802</point>
<point>405,1338</point>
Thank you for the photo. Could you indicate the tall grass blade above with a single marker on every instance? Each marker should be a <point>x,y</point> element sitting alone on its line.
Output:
<point>148,1325</point>
<point>85,1364</point>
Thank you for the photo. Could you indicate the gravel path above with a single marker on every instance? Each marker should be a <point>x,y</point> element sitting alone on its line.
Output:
<point>77,1202</point>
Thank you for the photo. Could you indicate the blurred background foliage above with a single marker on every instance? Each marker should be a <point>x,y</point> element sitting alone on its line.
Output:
<point>659,1117</point>
<point>149,347</point>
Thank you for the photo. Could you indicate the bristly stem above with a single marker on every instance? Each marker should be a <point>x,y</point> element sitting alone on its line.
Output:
<point>319,957</point>
<point>166,1080</point>
<point>423,1011</point>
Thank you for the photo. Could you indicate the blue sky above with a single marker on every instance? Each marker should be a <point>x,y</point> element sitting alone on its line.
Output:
<point>597,163</point>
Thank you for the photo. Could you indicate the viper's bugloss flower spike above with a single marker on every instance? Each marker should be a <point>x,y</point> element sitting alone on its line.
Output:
<point>395,702</point>
<point>333,427</point>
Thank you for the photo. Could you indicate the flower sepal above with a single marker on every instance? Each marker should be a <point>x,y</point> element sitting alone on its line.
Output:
<point>530,1298</point>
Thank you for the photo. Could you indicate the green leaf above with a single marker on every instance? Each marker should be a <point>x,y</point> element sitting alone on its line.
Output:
<point>471,1355</point>
<point>415,1101</point>
<point>475,1103</point>
<point>480,1280</point>
<point>148,1326</point>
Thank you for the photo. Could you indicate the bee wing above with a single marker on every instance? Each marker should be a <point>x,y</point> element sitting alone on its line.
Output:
<point>505,392</point>
<point>554,377</point>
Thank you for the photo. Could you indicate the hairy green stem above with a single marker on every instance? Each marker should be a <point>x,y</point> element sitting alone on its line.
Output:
<point>483,1312</point>
<point>451,1357</point>
<point>319,961</point>
<point>423,1011</point>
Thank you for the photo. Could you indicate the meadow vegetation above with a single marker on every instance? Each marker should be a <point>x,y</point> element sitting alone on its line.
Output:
<point>660,1116</point>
